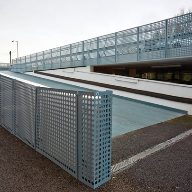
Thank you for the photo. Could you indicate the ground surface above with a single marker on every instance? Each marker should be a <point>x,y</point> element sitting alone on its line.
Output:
<point>23,169</point>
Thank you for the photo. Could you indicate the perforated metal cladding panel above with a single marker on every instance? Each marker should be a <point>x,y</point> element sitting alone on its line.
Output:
<point>127,45</point>
<point>65,56</point>
<point>7,103</point>
<point>168,38</point>
<point>180,36</point>
<point>55,57</point>
<point>24,112</point>
<point>56,129</point>
<point>94,139</point>
<point>47,59</point>
<point>90,49</point>
<point>152,41</point>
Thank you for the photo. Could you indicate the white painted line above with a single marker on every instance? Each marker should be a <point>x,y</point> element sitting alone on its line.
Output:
<point>132,160</point>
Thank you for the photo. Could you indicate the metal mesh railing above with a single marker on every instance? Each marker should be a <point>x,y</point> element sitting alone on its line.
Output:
<point>163,39</point>
<point>7,103</point>
<point>24,105</point>
<point>73,129</point>
<point>57,127</point>
<point>5,66</point>
<point>95,120</point>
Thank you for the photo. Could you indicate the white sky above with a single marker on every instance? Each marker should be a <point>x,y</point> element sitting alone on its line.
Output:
<point>40,25</point>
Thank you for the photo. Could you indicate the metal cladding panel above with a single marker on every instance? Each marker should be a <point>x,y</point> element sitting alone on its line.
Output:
<point>7,103</point>
<point>65,56</point>
<point>94,139</point>
<point>180,36</point>
<point>163,39</point>
<point>90,49</point>
<point>56,128</point>
<point>24,112</point>
<point>152,39</point>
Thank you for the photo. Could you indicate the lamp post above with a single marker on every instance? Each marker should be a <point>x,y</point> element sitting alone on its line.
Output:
<point>17,48</point>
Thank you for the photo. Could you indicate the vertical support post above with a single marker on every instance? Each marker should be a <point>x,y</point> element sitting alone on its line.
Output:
<point>25,64</point>
<point>43,60</point>
<point>60,57</point>
<point>98,51</point>
<point>30,62</point>
<point>83,58</point>
<point>138,44</point>
<point>51,59</point>
<point>10,56</point>
<point>71,55</point>
<point>116,47</point>
<point>36,61</point>
<point>166,37</point>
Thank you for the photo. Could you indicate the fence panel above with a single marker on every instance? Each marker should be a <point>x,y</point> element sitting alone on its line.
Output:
<point>94,138</point>
<point>7,103</point>
<point>179,36</point>
<point>24,112</point>
<point>73,129</point>
<point>56,128</point>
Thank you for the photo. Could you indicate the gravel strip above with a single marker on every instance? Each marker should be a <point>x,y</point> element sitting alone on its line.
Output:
<point>132,143</point>
<point>22,169</point>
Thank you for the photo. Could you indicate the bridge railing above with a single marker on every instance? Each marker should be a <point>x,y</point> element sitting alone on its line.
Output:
<point>163,39</point>
<point>5,66</point>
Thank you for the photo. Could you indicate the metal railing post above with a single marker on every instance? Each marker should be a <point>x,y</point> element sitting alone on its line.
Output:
<point>60,56</point>
<point>116,47</point>
<point>98,51</point>
<point>137,43</point>
<point>70,55</point>
<point>43,60</point>
<point>83,59</point>
<point>166,37</point>
<point>51,59</point>
<point>25,64</point>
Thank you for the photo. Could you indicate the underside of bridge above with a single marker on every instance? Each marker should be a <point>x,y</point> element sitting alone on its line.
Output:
<point>176,70</point>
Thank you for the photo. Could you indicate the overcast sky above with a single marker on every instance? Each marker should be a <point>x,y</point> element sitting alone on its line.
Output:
<point>40,25</point>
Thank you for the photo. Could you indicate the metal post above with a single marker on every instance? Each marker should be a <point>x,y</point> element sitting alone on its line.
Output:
<point>36,61</point>
<point>51,59</point>
<point>83,59</point>
<point>70,55</point>
<point>43,61</point>
<point>116,47</point>
<point>30,62</point>
<point>10,55</point>
<point>97,50</point>
<point>60,57</point>
<point>166,37</point>
<point>17,49</point>
<point>25,64</point>
<point>137,43</point>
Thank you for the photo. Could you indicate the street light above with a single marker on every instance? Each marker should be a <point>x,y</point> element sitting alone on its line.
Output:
<point>17,49</point>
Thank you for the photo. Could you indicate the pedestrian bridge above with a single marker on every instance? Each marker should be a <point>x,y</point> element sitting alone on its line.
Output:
<point>166,39</point>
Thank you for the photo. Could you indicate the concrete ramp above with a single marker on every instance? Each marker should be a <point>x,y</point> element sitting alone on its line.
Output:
<point>128,114</point>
